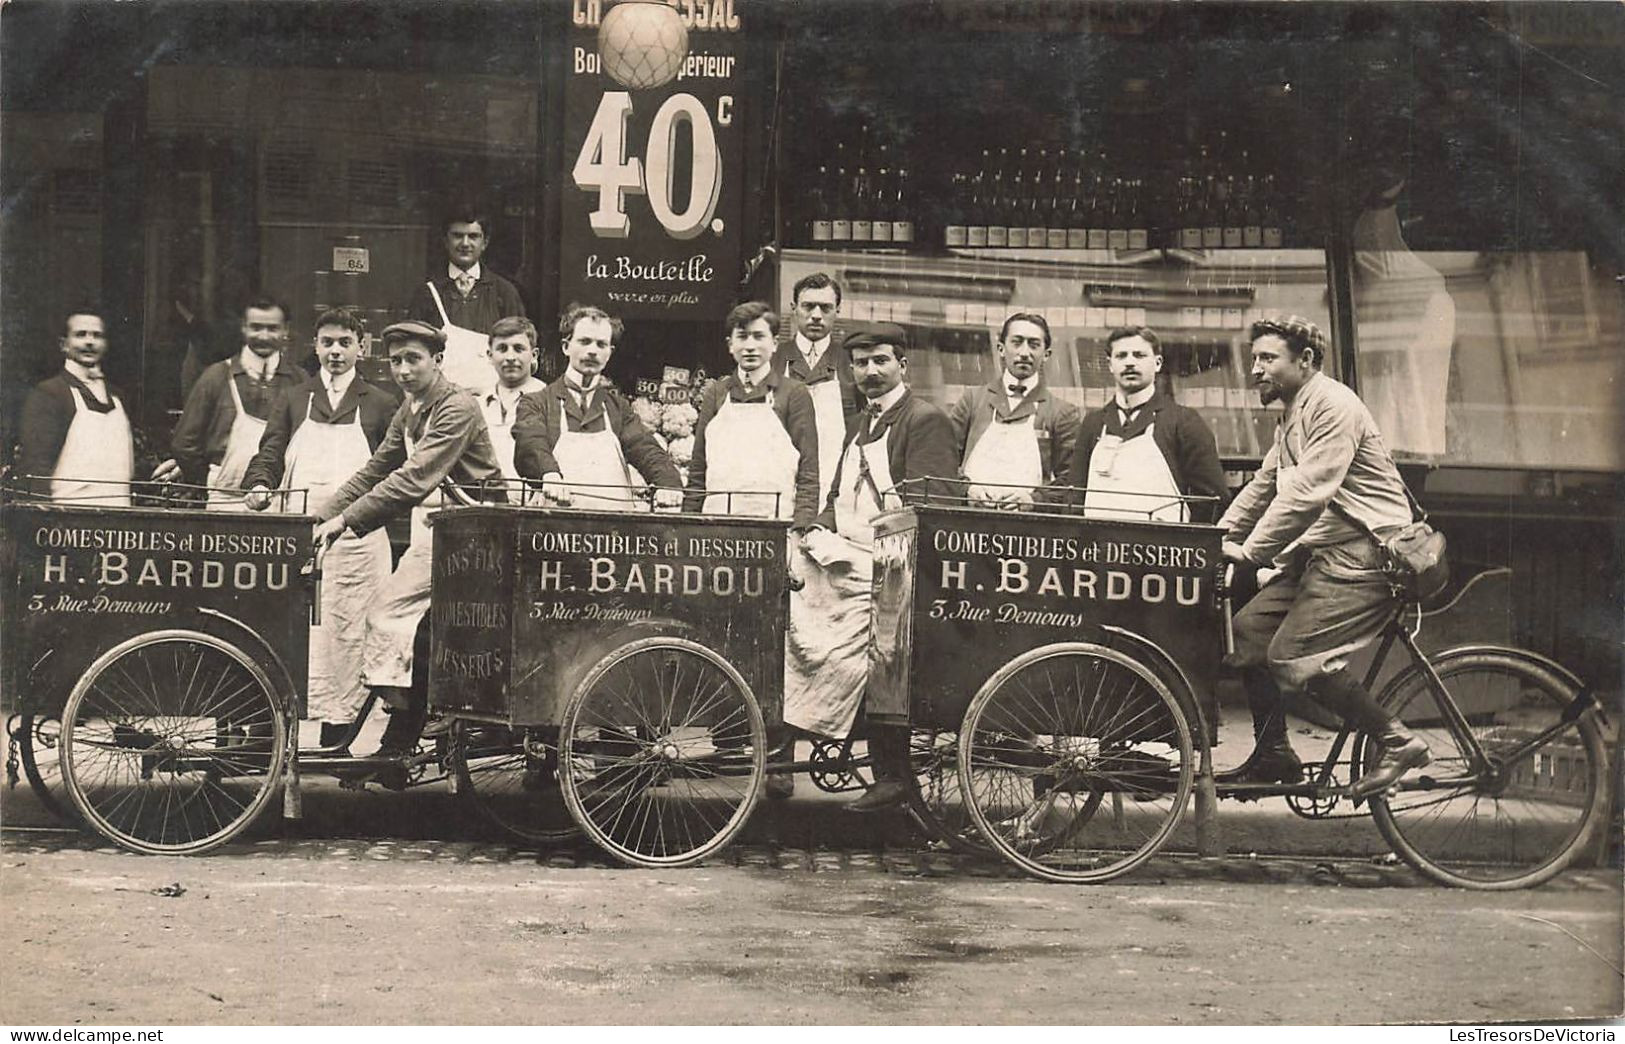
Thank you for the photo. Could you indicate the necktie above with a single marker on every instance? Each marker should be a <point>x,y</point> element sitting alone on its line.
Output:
<point>581,392</point>
<point>94,373</point>
<point>465,283</point>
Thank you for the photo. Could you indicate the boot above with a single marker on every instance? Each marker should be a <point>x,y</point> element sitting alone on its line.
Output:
<point>400,736</point>
<point>889,745</point>
<point>781,784</point>
<point>1273,760</point>
<point>1402,750</point>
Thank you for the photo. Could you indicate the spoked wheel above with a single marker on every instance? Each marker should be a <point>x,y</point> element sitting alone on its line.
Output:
<point>513,789</point>
<point>172,742</point>
<point>1525,816</point>
<point>663,752</point>
<point>38,737</point>
<point>1075,762</point>
<point>937,804</point>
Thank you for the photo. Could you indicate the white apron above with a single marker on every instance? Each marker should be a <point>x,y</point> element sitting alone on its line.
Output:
<point>241,445</point>
<point>399,604</point>
<point>747,451</point>
<point>465,362</point>
<point>826,662</point>
<point>97,458</point>
<point>319,458</point>
<point>1130,478</point>
<point>829,414</point>
<point>593,466</point>
<point>1006,455</point>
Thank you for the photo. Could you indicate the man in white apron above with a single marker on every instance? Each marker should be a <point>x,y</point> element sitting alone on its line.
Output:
<point>512,354</point>
<point>898,437</point>
<point>1015,438</point>
<point>437,435</point>
<point>1325,494</point>
<point>1140,454</point>
<point>75,443</point>
<point>756,451</point>
<point>317,436</point>
<point>220,428</point>
<point>756,439</point>
<point>577,435</point>
<point>811,356</point>
<point>465,300</point>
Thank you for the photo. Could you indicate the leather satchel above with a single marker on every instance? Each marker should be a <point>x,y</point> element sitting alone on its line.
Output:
<point>1417,556</point>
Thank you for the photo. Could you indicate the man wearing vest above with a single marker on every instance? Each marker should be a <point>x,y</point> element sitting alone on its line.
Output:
<point>75,441</point>
<point>578,434</point>
<point>896,438</point>
<point>1326,491</point>
<point>1143,452</point>
<point>220,428</point>
<point>812,357</point>
<point>465,300</point>
<point>436,436</point>
<point>1013,437</point>
<point>512,354</point>
<point>319,434</point>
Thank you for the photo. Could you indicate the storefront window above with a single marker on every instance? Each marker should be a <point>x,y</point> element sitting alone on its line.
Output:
<point>1493,359</point>
<point>1200,303</point>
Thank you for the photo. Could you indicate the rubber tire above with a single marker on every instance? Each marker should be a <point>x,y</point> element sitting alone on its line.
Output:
<point>486,785</point>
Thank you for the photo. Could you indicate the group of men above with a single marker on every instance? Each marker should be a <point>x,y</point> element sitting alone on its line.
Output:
<point>807,431</point>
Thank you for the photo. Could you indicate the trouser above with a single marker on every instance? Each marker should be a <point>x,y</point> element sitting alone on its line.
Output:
<point>392,622</point>
<point>1297,633</point>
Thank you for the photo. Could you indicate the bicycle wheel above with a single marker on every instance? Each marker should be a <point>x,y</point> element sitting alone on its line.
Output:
<point>173,742</point>
<point>935,801</point>
<point>1050,737</point>
<point>662,752</point>
<point>1523,817</point>
<point>38,738</point>
<point>512,790</point>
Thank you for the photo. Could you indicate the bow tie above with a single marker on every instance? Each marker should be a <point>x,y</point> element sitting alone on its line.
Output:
<point>872,408</point>
<point>93,373</point>
<point>1017,389</point>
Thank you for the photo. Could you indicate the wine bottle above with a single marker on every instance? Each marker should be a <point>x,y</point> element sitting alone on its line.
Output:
<point>820,207</point>
<point>902,219</point>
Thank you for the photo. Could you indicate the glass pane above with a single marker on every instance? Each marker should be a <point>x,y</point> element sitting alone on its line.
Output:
<point>1502,359</point>
<point>1200,303</point>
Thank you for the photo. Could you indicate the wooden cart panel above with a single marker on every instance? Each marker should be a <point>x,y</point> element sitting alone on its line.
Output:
<point>960,592</point>
<point>525,600</point>
<point>82,579</point>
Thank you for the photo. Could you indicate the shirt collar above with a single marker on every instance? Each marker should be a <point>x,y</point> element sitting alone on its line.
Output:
<point>811,348</point>
<point>892,398</point>
<point>1138,399</point>
<point>455,273</point>
<point>509,396</point>
<point>337,385</point>
<point>81,372</point>
<point>577,382</point>
<point>253,364</point>
<point>760,380</point>
<point>1027,383</point>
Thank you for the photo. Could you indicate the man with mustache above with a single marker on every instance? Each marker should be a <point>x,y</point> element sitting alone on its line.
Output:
<point>897,438</point>
<point>1143,452</point>
<point>1013,436</point>
<point>75,442</point>
<point>1325,494</point>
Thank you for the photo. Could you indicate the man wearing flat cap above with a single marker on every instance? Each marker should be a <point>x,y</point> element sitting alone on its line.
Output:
<point>897,438</point>
<point>436,436</point>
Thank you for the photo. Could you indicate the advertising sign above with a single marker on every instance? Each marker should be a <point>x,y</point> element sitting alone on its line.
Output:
<point>650,220</point>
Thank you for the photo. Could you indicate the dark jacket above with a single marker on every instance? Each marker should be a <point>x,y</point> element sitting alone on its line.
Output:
<point>540,417</point>
<point>1055,423</point>
<point>376,406</point>
<point>205,426</point>
<point>921,447</point>
<point>834,364</point>
<point>47,414</point>
<point>451,443</point>
<point>1184,438</point>
<point>491,298</point>
<point>793,405</point>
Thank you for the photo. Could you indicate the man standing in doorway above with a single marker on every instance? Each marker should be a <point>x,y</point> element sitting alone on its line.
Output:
<point>465,300</point>
<point>76,442</point>
<point>220,428</point>
<point>812,357</point>
<point>1326,491</point>
<point>1142,453</point>
<point>1013,437</point>
<point>319,434</point>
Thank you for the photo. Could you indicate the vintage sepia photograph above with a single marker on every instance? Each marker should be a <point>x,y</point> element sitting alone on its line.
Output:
<point>811,513</point>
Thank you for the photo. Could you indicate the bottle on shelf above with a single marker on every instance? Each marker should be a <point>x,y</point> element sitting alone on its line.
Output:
<point>902,220</point>
<point>820,207</point>
<point>1055,207</point>
<point>1015,207</point>
<point>840,226</point>
<point>1212,204</point>
<point>995,202</point>
<point>976,219</point>
<point>1188,207</point>
<point>1099,205</point>
<point>1270,220</point>
<point>862,227</point>
<point>954,219</point>
<point>880,208</point>
<point>1139,237</point>
<point>1252,229</point>
<point>1117,217</point>
<point>1233,219</point>
<point>1077,215</point>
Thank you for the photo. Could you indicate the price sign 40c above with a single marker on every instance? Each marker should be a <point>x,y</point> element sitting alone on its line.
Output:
<point>603,166</point>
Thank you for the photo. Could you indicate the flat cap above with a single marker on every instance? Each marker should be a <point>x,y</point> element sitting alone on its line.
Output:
<point>1295,330</point>
<point>414,330</point>
<point>876,334</point>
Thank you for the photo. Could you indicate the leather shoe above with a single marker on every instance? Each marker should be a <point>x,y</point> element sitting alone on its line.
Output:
<point>1401,752</point>
<point>885,794</point>
<point>1265,765</point>
<point>439,725</point>
<point>335,735</point>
